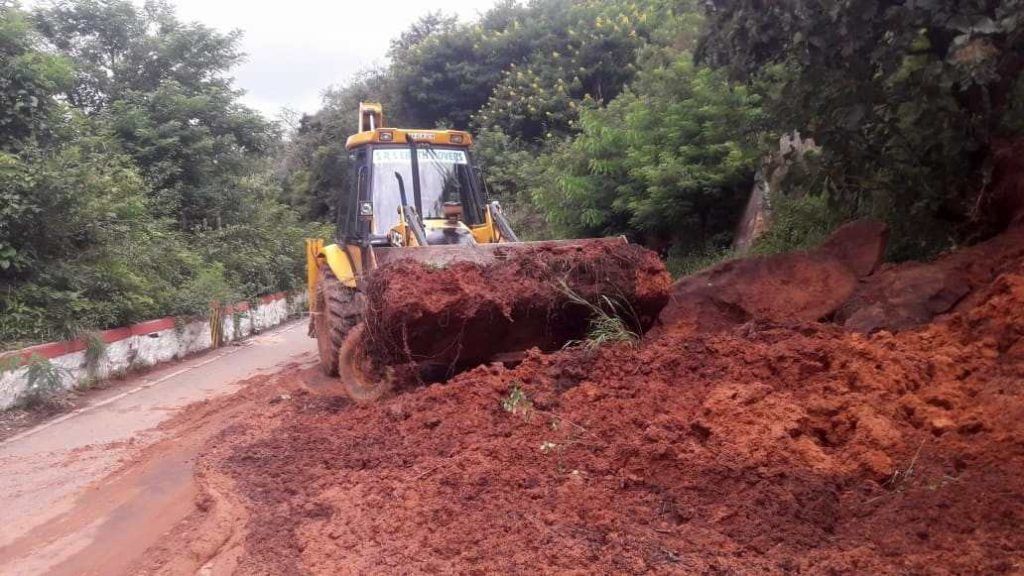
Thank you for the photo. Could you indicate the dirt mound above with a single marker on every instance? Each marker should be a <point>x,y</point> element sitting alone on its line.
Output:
<point>466,313</point>
<point>796,286</point>
<point>766,448</point>
<point>839,282</point>
<point>901,296</point>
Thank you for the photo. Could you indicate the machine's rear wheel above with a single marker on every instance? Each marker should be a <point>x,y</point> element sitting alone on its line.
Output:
<point>339,308</point>
<point>362,383</point>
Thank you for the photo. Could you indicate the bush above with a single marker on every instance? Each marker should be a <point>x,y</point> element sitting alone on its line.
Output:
<point>797,223</point>
<point>684,260</point>
<point>672,159</point>
<point>45,385</point>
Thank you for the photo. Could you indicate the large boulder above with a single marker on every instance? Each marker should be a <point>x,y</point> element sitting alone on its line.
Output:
<point>860,245</point>
<point>791,287</point>
<point>904,297</point>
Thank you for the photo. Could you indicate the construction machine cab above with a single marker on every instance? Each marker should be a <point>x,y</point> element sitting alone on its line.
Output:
<point>413,188</point>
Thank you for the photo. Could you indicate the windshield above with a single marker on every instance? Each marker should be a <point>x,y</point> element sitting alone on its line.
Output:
<point>444,177</point>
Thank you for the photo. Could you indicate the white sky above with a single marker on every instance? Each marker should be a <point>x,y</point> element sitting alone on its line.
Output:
<point>299,47</point>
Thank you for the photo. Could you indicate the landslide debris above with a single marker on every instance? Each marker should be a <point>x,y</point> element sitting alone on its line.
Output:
<point>901,296</point>
<point>769,443</point>
<point>841,282</point>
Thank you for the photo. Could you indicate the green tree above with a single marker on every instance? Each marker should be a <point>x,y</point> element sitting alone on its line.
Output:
<point>133,184</point>
<point>83,247</point>
<point>29,77</point>
<point>571,53</point>
<point>119,47</point>
<point>163,85</point>
<point>670,161</point>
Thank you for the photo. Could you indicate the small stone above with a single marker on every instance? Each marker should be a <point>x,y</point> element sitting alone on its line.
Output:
<point>941,424</point>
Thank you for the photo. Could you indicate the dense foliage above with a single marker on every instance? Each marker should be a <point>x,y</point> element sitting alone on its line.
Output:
<point>669,160</point>
<point>905,98</point>
<point>133,184</point>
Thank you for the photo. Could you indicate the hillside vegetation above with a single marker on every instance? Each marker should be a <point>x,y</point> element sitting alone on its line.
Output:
<point>133,183</point>
<point>650,118</point>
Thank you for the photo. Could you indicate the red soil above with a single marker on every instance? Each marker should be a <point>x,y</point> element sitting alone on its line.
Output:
<point>911,294</point>
<point>785,447</point>
<point>467,313</point>
<point>795,286</point>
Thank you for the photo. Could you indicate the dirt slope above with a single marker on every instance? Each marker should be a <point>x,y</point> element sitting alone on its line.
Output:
<point>781,446</point>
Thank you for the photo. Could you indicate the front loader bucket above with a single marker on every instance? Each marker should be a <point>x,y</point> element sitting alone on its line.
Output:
<point>459,306</point>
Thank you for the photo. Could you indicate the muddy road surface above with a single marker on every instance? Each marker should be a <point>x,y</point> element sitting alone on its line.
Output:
<point>88,492</point>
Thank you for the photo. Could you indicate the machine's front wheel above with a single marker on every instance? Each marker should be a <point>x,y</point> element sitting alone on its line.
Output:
<point>361,382</point>
<point>338,310</point>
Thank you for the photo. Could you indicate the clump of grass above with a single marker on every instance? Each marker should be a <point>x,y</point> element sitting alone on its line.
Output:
<point>516,402</point>
<point>95,349</point>
<point>609,321</point>
<point>95,346</point>
<point>608,328</point>
<point>45,387</point>
<point>684,262</point>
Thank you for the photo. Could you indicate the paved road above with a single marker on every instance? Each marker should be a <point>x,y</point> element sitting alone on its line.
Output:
<point>53,505</point>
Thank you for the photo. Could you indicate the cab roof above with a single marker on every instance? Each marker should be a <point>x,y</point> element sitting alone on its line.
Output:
<point>404,136</point>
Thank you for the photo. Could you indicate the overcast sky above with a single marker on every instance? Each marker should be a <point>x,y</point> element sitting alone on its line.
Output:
<point>296,48</point>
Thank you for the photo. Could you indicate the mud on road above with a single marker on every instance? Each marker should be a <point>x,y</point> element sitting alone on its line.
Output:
<point>89,491</point>
<point>743,445</point>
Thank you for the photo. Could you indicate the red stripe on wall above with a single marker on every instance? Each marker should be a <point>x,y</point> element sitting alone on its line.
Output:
<point>150,326</point>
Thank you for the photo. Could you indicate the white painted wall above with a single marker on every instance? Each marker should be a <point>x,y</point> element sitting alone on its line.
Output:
<point>144,350</point>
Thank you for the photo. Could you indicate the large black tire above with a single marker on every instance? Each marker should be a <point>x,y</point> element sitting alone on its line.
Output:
<point>338,309</point>
<point>361,382</point>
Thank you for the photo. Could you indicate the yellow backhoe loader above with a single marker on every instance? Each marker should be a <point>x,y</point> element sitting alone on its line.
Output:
<point>415,195</point>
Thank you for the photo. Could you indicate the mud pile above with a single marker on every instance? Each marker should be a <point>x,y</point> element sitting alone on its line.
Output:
<point>781,446</point>
<point>841,282</point>
<point>466,313</point>
<point>795,286</point>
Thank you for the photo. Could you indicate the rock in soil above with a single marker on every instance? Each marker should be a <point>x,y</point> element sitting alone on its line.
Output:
<point>901,296</point>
